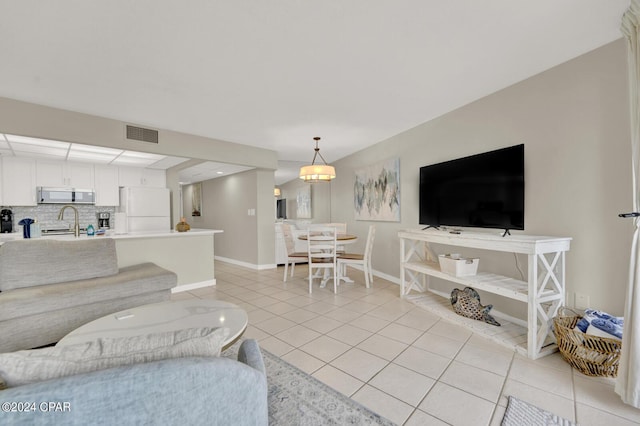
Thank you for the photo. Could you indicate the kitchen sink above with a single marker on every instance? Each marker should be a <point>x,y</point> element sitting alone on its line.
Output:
<point>62,231</point>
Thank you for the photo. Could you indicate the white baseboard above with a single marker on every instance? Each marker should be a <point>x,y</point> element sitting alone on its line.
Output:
<point>246,264</point>
<point>193,286</point>
<point>390,278</point>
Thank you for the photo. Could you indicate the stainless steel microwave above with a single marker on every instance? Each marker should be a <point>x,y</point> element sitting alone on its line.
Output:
<point>65,196</point>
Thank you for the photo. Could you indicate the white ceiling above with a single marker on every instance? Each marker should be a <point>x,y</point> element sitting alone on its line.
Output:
<point>277,73</point>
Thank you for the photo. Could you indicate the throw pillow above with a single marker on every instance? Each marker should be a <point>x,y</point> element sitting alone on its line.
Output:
<point>30,366</point>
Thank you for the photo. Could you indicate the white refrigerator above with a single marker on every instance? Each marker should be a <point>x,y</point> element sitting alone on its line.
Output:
<point>147,208</point>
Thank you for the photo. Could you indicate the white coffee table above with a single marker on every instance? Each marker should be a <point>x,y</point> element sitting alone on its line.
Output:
<point>163,316</point>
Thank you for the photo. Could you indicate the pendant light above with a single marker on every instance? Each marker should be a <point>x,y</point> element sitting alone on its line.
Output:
<point>317,172</point>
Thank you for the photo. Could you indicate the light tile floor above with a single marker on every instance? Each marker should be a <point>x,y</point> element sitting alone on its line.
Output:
<point>401,361</point>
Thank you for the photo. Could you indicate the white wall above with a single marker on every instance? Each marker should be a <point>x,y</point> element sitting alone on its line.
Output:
<point>574,122</point>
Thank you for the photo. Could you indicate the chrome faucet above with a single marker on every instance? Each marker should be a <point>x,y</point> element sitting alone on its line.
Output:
<point>76,227</point>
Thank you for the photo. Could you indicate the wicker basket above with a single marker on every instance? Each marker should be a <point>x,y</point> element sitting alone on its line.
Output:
<point>591,355</point>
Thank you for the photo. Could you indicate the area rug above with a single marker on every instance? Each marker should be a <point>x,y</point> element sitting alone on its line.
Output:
<point>522,413</point>
<point>296,398</point>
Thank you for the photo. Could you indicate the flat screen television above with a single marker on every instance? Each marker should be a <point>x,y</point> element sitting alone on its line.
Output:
<point>484,191</point>
<point>281,209</point>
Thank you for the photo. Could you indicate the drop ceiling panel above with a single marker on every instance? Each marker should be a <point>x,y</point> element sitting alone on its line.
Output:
<point>167,162</point>
<point>57,150</point>
<point>209,170</point>
<point>24,140</point>
<point>40,151</point>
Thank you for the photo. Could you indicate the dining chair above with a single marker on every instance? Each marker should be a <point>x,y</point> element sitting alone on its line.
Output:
<point>341,228</point>
<point>321,255</point>
<point>293,256</point>
<point>351,259</point>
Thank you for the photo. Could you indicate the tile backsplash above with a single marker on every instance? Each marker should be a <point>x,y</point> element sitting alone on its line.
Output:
<point>47,215</point>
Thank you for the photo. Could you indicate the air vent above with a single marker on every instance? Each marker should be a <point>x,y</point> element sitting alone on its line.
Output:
<point>142,134</point>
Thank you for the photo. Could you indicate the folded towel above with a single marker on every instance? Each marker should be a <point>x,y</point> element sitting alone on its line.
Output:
<point>591,314</point>
<point>605,328</point>
<point>583,324</point>
<point>604,315</point>
<point>593,331</point>
<point>26,227</point>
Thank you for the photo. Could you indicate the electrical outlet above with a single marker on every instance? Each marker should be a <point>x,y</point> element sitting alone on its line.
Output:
<point>581,301</point>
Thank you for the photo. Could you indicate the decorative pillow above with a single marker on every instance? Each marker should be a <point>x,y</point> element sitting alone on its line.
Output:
<point>30,366</point>
<point>467,303</point>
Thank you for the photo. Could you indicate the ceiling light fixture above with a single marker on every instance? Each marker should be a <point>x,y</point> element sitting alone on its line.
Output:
<point>317,172</point>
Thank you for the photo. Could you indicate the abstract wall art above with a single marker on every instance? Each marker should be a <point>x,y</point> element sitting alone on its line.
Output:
<point>303,202</point>
<point>376,192</point>
<point>196,199</point>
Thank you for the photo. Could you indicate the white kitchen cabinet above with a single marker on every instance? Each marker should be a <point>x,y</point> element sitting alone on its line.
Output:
<point>154,177</point>
<point>129,176</point>
<point>138,176</point>
<point>64,174</point>
<point>18,181</point>
<point>80,175</point>
<point>106,185</point>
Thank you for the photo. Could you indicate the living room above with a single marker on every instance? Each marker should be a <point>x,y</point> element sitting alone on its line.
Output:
<point>573,119</point>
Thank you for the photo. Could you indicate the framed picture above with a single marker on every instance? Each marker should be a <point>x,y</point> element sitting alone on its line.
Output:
<point>303,202</point>
<point>376,191</point>
<point>196,199</point>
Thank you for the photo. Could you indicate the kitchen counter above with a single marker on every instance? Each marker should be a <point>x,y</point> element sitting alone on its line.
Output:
<point>111,234</point>
<point>189,254</point>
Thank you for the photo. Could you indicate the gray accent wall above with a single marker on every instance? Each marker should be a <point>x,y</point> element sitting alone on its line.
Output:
<point>574,122</point>
<point>226,201</point>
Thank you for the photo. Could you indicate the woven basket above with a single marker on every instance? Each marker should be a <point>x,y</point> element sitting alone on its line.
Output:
<point>591,355</point>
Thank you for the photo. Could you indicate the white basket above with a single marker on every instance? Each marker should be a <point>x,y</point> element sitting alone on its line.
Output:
<point>458,266</point>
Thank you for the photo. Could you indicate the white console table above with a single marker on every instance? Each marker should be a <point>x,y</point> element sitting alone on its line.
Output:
<point>543,292</point>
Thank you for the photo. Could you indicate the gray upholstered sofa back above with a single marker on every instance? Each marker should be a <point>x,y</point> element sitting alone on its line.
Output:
<point>185,391</point>
<point>34,262</point>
